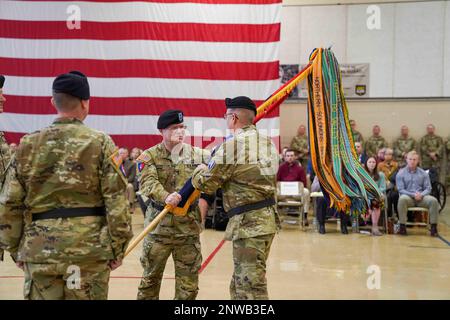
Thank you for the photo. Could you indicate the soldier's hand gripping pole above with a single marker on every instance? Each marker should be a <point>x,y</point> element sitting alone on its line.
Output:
<point>188,195</point>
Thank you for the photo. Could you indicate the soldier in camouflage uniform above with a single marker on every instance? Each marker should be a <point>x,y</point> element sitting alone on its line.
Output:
<point>375,142</point>
<point>300,145</point>
<point>162,170</point>
<point>4,149</point>
<point>357,136</point>
<point>402,145</point>
<point>63,211</point>
<point>247,178</point>
<point>431,149</point>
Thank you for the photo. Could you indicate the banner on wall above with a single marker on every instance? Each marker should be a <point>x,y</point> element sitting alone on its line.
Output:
<point>355,80</point>
<point>287,72</point>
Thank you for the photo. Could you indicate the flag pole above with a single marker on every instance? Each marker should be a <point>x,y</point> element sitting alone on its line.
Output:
<point>149,228</point>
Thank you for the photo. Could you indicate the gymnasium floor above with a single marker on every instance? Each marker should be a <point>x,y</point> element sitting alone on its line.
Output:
<point>304,265</point>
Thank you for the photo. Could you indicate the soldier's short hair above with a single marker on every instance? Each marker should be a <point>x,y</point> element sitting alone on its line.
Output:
<point>412,153</point>
<point>65,102</point>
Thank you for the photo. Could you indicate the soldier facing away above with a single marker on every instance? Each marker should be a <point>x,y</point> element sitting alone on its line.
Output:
<point>245,167</point>
<point>63,209</point>
<point>4,148</point>
<point>162,170</point>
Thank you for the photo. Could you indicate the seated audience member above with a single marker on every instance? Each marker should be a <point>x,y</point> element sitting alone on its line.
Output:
<point>375,206</point>
<point>135,153</point>
<point>291,170</point>
<point>362,157</point>
<point>323,210</point>
<point>283,154</point>
<point>380,155</point>
<point>389,167</point>
<point>414,187</point>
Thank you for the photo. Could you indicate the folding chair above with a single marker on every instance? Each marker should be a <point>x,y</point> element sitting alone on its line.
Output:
<point>289,195</point>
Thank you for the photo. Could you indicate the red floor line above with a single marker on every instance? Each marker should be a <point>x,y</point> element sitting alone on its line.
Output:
<point>211,256</point>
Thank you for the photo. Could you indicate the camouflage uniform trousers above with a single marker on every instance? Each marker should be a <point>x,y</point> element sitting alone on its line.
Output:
<point>249,278</point>
<point>51,281</point>
<point>187,256</point>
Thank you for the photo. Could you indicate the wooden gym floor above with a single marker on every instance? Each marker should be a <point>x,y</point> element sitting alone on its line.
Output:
<point>304,265</point>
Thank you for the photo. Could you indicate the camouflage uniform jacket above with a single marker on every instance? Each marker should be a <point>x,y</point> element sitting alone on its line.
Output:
<point>431,143</point>
<point>245,176</point>
<point>448,149</point>
<point>373,144</point>
<point>161,173</point>
<point>4,157</point>
<point>402,146</point>
<point>66,165</point>
<point>300,145</point>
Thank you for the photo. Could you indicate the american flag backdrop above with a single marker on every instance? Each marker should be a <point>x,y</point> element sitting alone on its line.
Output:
<point>141,58</point>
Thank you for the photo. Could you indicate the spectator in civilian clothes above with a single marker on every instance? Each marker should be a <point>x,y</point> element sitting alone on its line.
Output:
<point>291,170</point>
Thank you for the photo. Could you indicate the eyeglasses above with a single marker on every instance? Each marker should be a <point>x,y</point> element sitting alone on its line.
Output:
<point>230,114</point>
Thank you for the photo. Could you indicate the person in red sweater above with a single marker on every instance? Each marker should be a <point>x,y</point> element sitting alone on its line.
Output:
<point>291,170</point>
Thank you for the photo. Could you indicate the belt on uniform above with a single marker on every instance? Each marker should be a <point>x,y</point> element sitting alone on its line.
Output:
<point>69,213</point>
<point>160,207</point>
<point>252,206</point>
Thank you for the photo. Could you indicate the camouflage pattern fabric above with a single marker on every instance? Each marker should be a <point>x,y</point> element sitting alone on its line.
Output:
<point>373,144</point>
<point>187,258</point>
<point>58,281</point>
<point>401,148</point>
<point>4,160</point>
<point>245,168</point>
<point>249,278</point>
<point>300,145</point>
<point>160,173</point>
<point>66,165</point>
<point>245,177</point>
<point>357,137</point>
<point>431,143</point>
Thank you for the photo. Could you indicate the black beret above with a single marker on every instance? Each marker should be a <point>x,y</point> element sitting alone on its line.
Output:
<point>169,117</point>
<point>74,83</point>
<point>2,81</point>
<point>240,102</point>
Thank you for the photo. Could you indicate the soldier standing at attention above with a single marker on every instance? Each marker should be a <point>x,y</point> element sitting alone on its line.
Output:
<point>375,142</point>
<point>403,145</point>
<point>162,170</point>
<point>4,148</point>
<point>357,136</point>
<point>63,209</point>
<point>245,167</point>
<point>431,149</point>
<point>300,145</point>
